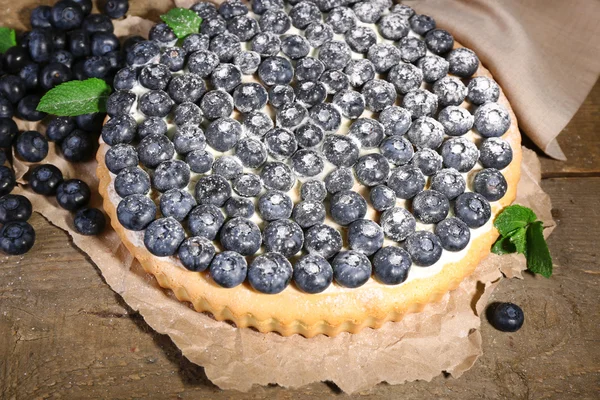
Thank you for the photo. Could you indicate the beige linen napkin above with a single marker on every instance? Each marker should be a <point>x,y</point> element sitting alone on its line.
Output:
<point>544,53</point>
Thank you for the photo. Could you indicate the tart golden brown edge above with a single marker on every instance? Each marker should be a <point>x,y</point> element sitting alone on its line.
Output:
<point>333,311</point>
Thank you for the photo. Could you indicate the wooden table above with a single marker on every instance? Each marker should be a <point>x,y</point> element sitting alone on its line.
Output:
<point>64,333</point>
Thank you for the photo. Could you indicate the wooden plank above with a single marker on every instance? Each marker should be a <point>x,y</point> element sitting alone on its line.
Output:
<point>64,332</point>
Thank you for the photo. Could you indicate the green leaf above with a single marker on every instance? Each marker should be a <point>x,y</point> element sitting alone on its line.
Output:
<point>8,39</point>
<point>539,259</point>
<point>76,98</point>
<point>519,239</point>
<point>182,21</point>
<point>503,246</point>
<point>512,218</point>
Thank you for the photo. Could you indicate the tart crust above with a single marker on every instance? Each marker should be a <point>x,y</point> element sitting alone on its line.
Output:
<point>337,309</point>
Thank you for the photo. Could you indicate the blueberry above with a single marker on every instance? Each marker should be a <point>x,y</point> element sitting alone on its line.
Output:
<point>171,174</point>
<point>116,9</point>
<point>155,103</point>
<point>280,143</point>
<point>310,93</point>
<point>43,179</point>
<point>473,209</point>
<point>240,235</point>
<point>450,91</point>
<point>323,240</point>
<point>492,120</point>
<point>351,103</point>
<point>15,58</point>
<point>132,180</point>
<point>12,88</point>
<point>382,198</point>
<point>216,104</point>
<point>430,206</point>
<point>460,153</point>
<point>270,273</point>
<point>60,56</point>
<point>40,17</point>
<point>341,19</point>
<point>136,211</point>
<point>424,248</point>
<point>372,169</point>
<point>227,77</point>
<point>281,95</point>
<point>125,79</point>
<point>291,115</point>
<point>420,103</point>
<point>347,206</point>
<point>456,120</point>
<point>186,87</point>
<point>97,23</point>
<point>188,138</point>
<point>79,44</point>
<point>397,150</point>
<point>232,8</point>
<point>391,265</point>
<point>86,6</point>
<point>228,269</point>
<point>406,181</point>
<point>495,153</point>
<point>247,185</point>
<point>308,213</point>
<point>295,46</point>
<point>212,189</point>
<point>309,68</point>
<point>334,81</point>
<point>309,135</point>
<point>257,124</point>
<point>393,27</point>
<point>205,220</point>
<point>261,6</point>
<point>384,56</point>
<point>223,134</point>
<point>433,68</point>
<point>312,273</point>
<point>251,153</point>
<point>229,167</point>
<point>276,21</point>
<point>200,161</point>
<point>163,236</point>
<point>368,12</point>
<point>283,236</point>
<point>275,205</point>
<point>483,90</point>
<point>405,11</point>
<point>119,129</point>
<point>266,44</point>
<point>490,183</point>
<point>154,149</point>
<point>155,76</point>
<point>14,207</point>
<point>426,132</point>
<point>302,14</point>
<point>72,194</point>
<point>205,10</point>
<point>247,61</point>
<point>225,46</point>
<point>439,41</point>
<point>89,221</point>
<point>454,234</point>
<point>360,39</point>
<point>27,108</point>
<point>103,43</point>
<point>449,182</point>
<point>367,131</point>
<point>152,125</point>
<point>351,269</point>
<point>195,42</point>
<point>506,317</point>
<point>196,253</point>
<point>411,49</point>
<point>31,146</point>
<point>244,27</point>
<point>276,71</point>
<point>16,237</point>
<point>359,71</point>
<point>428,161</point>
<point>8,182</point>
<point>307,163</point>
<point>53,75</point>
<point>365,236</point>
<point>239,207</point>
<point>6,107</point>
<point>162,34</point>
<point>213,26</point>
<point>405,77</point>
<point>395,120</point>
<point>338,180</point>
<point>340,150</point>
<point>66,15</point>
<point>187,113</point>
<point>3,157</point>
<point>318,33</point>
<point>277,175</point>
<point>397,223</point>
<point>463,62</point>
<point>249,97</point>
<point>313,190</point>
<point>202,63</point>
<point>334,54</point>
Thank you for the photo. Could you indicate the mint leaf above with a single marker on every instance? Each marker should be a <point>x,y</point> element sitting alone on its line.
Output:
<point>519,240</point>
<point>8,39</point>
<point>503,246</point>
<point>182,21</point>
<point>76,98</point>
<point>539,259</point>
<point>512,218</point>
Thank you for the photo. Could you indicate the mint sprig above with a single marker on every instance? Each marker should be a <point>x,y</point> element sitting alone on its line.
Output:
<point>74,98</point>
<point>8,39</point>
<point>182,21</point>
<point>520,232</point>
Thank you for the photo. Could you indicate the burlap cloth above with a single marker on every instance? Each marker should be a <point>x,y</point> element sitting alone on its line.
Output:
<point>445,336</point>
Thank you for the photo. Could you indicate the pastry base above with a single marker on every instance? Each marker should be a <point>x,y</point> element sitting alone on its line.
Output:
<point>337,309</point>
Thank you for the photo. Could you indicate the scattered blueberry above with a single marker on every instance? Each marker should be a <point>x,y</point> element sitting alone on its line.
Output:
<point>66,15</point>
<point>31,146</point>
<point>506,317</point>
<point>43,179</point>
<point>72,194</point>
<point>14,207</point>
<point>89,221</point>
<point>16,237</point>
